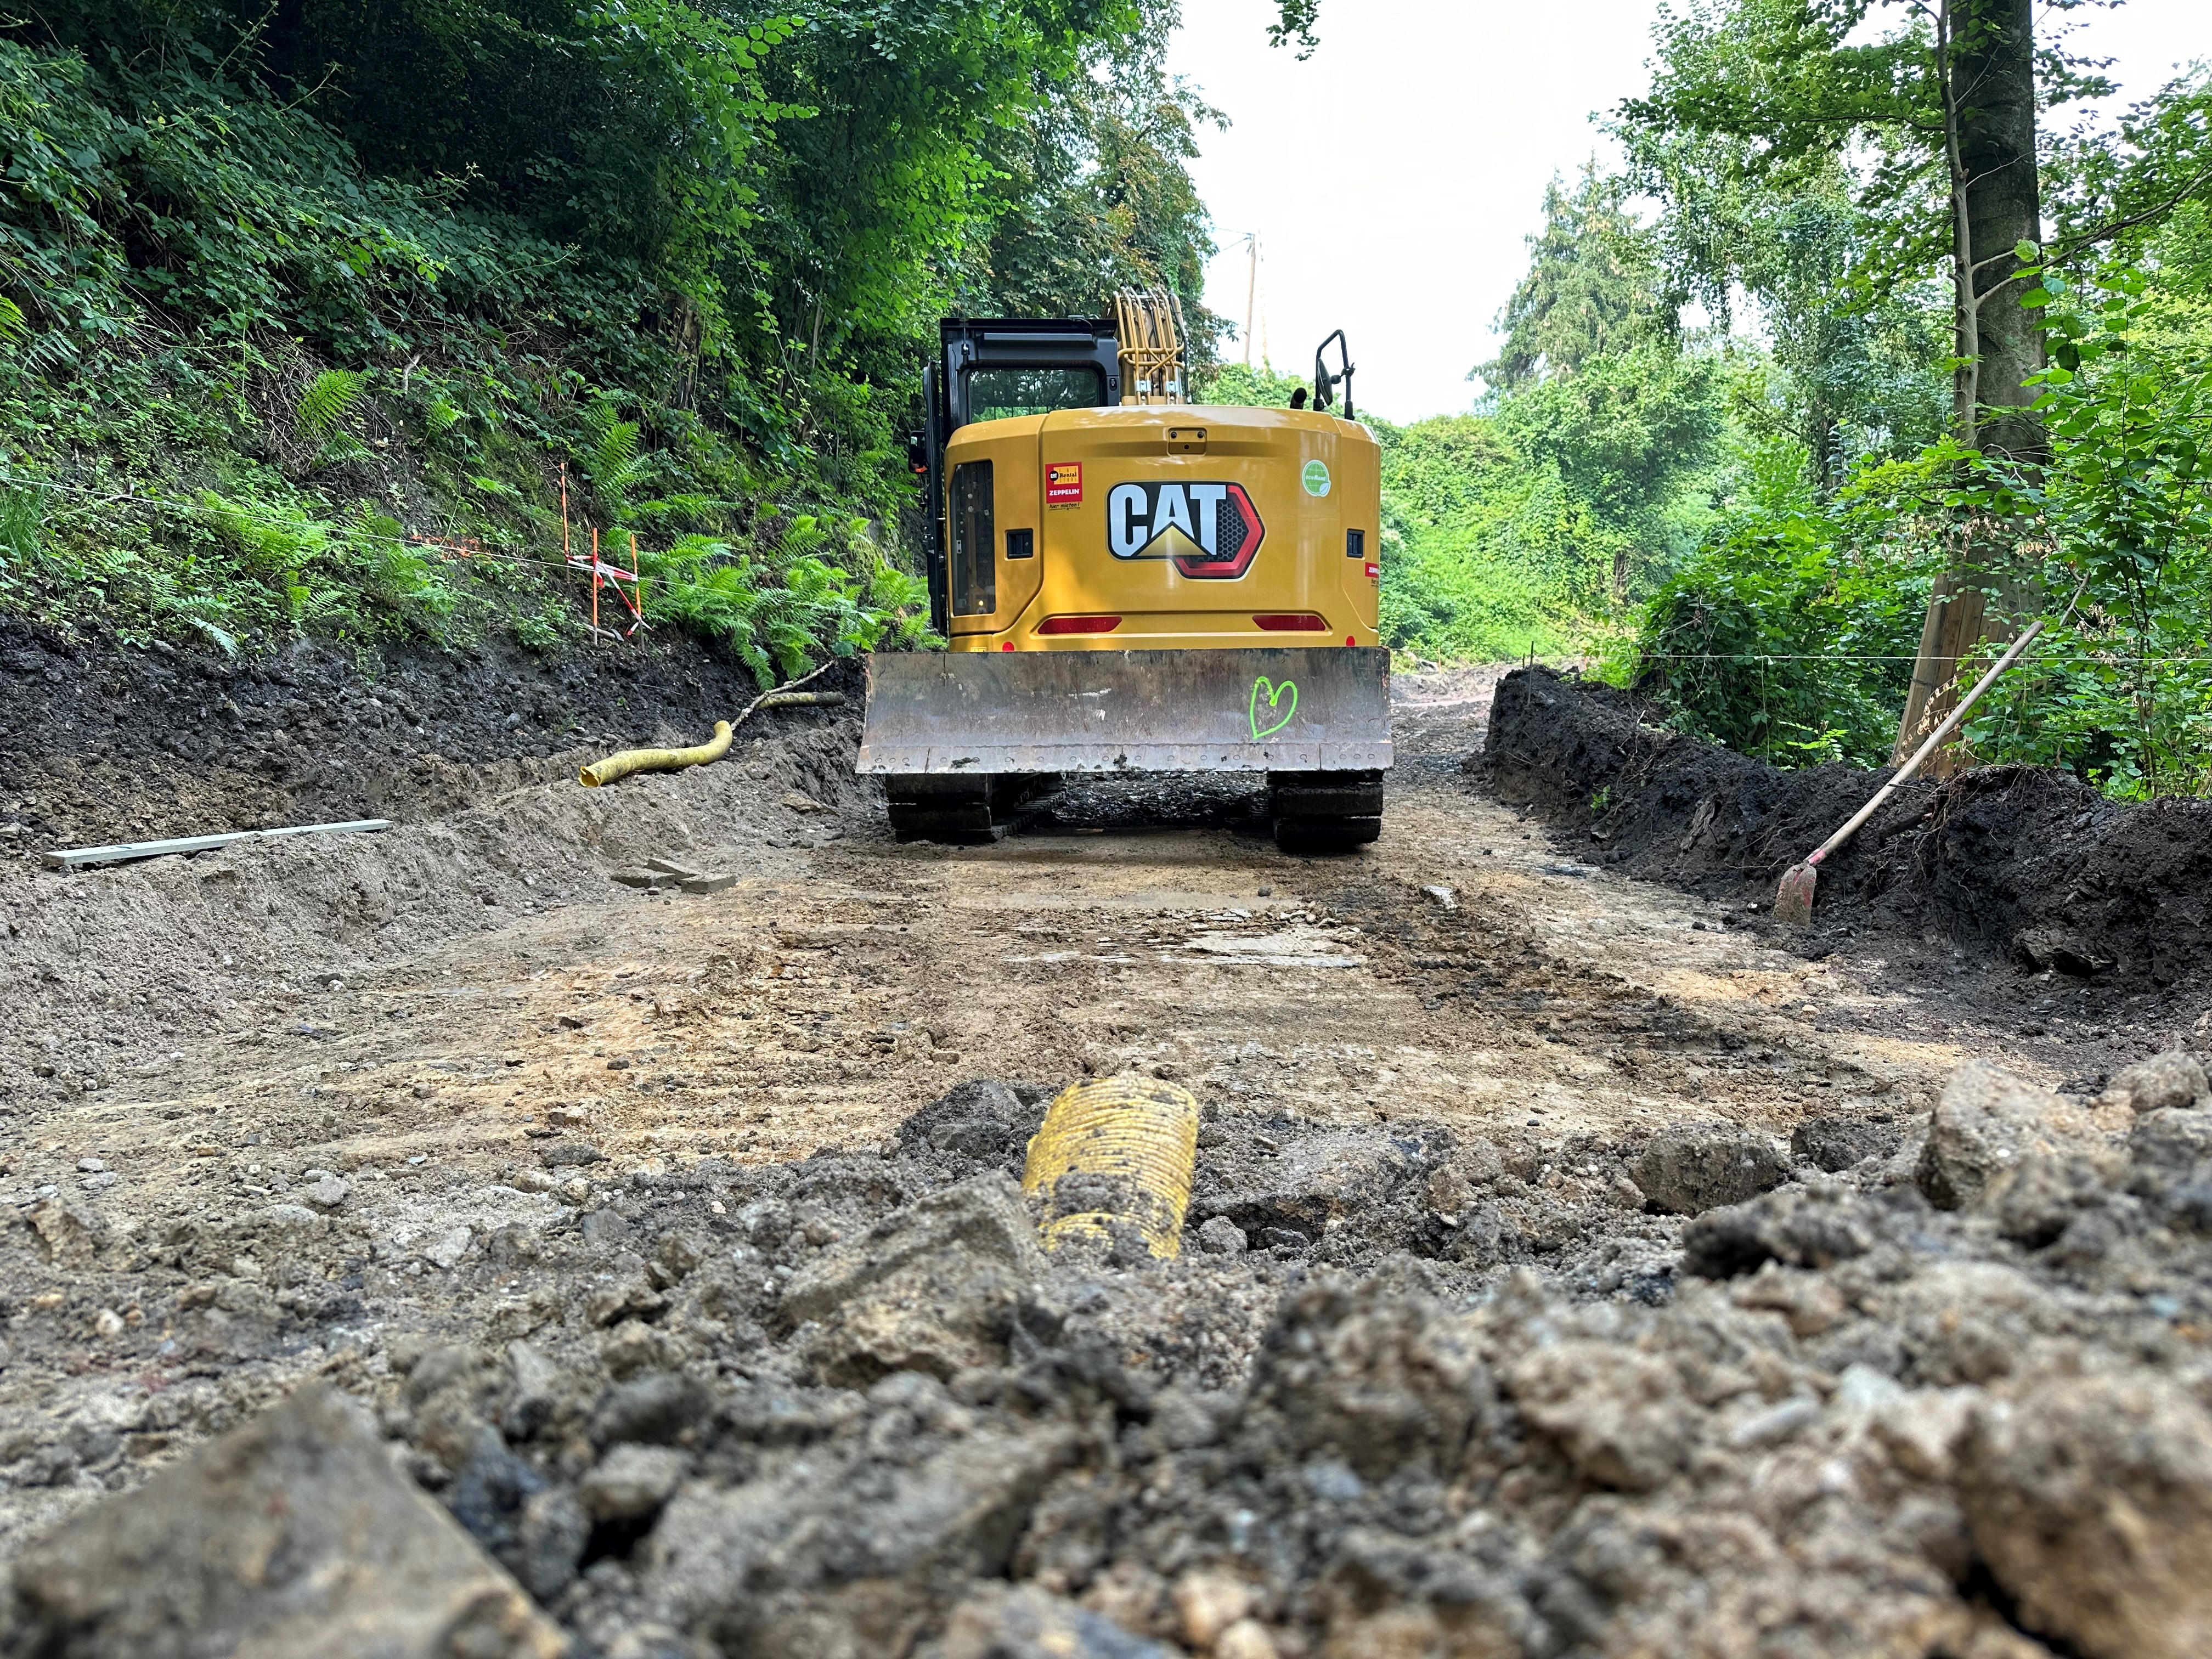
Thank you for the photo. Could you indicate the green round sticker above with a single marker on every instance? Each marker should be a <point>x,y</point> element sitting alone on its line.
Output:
<point>1315,478</point>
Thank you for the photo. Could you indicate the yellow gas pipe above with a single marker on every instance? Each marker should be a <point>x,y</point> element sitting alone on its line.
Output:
<point>602,772</point>
<point>622,765</point>
<point>1139,1136</point>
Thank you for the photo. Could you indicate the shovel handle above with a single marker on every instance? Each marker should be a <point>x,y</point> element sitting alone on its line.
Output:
<point>1935,740</point>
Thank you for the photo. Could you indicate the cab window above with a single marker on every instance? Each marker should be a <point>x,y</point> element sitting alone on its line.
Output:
<point>994,394</point>
<point>975,566</point>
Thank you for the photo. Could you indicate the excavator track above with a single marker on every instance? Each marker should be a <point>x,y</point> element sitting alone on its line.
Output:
<point>1325,812</point>
<point>961,810</point>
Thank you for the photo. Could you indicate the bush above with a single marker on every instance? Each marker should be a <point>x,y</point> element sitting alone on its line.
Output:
<point>1790,633</point>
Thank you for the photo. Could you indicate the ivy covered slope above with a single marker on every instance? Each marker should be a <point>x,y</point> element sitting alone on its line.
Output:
<point>309,314</point>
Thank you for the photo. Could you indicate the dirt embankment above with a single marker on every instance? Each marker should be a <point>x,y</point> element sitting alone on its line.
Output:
<point>2016,862</point>
<point>100,744</point>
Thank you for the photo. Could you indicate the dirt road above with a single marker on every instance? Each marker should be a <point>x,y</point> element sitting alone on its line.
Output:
<point>1463,972</point>
<point>331,1110</point>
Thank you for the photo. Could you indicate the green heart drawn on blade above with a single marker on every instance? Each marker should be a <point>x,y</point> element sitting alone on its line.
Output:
<point>1283,697</point>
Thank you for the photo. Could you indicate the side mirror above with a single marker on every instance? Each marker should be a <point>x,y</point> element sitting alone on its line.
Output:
<point>1325,383</point>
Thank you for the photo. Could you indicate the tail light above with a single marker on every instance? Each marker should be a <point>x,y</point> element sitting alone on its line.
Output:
<point>1078,625</point>
<point>1291,623</point>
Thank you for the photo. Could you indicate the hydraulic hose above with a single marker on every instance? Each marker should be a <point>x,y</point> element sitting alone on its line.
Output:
<point>1115,1153</point>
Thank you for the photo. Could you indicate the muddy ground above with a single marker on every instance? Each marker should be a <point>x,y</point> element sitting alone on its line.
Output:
<point>1574,1265</point>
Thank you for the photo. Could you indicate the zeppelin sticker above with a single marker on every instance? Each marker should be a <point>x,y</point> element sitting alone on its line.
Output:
<point>1063,483</point>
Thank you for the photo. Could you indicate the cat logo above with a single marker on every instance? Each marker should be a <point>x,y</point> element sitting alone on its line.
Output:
<point>1210,530</point>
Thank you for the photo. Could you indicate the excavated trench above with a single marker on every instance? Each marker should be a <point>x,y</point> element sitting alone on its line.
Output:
<point>1574,1265</point>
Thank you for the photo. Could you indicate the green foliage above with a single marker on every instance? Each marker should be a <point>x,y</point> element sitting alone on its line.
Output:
<point>2123,187</point>
<point>1592,290</point>
<point>356,578</point>
<point>1092,194</point>
<point>1531,525</point>
<point>780,610</point>
<point>1235,385</point>
<point>1296,23</point>
<point>612,460</point>
<point>329,396</point>
<point>689,252</point>
<point>2123,691</point>
<point>1486,553</point>
<point>1789,635</point>
<point>1776,93</point>
<point>21,524</point>
<point>1857,375</point>
<point>1794,146</point>
<point>1626,434</point>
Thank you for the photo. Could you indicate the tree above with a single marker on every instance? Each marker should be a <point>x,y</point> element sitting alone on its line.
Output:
<point>1854,380</point>
<point>1948,103</point>
<point>1094,194</point>
<point>1625,433</point>
<point>1592,287</point>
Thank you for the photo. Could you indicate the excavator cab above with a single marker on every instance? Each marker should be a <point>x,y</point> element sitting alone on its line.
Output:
<point>1129,582</point>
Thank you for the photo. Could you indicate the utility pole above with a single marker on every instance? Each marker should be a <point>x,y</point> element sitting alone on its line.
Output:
<point>1251,288</point>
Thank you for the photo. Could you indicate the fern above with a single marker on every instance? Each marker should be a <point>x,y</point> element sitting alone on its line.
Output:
<point>206,614</point>
<point>782,613</point>
<point>400,576</point>
<point>327,401</point>
<point>37,351</point>
<point>614,462</point>
<point>275,539</point>
<point>20,526</point>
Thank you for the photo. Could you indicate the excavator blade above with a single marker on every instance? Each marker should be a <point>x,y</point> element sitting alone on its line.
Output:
<point>1309,708</point>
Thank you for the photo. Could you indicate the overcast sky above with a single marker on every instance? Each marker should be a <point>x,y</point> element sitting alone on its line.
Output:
<point>1392,177</point>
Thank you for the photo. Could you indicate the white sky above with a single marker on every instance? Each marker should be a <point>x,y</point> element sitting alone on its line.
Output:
<point>1392,177</point>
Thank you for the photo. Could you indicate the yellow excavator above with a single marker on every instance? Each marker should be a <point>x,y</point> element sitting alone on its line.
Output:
<point>1130,582</point>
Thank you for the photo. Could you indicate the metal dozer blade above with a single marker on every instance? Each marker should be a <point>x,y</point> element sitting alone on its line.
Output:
<point>962,738</point>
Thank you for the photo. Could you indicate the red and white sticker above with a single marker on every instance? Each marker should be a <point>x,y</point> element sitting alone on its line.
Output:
<point>1373,571</point>
<point>1063,483</point>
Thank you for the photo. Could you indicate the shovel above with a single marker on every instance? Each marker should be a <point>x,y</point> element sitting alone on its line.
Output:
<point>1793,900</point>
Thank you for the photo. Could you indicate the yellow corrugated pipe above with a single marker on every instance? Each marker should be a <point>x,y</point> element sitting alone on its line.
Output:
<point>656,760</point>
<point>1129,1144</point>
<point>671,760</point>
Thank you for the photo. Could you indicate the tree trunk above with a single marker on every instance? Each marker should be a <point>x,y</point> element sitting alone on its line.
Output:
<point>1990,71</point>
<point>1994,70</point>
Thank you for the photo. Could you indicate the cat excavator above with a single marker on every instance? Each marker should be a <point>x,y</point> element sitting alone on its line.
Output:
<point>1129,582</point>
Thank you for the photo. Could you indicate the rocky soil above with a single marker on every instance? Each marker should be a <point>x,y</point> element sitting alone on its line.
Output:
<point>1573,1267</point>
